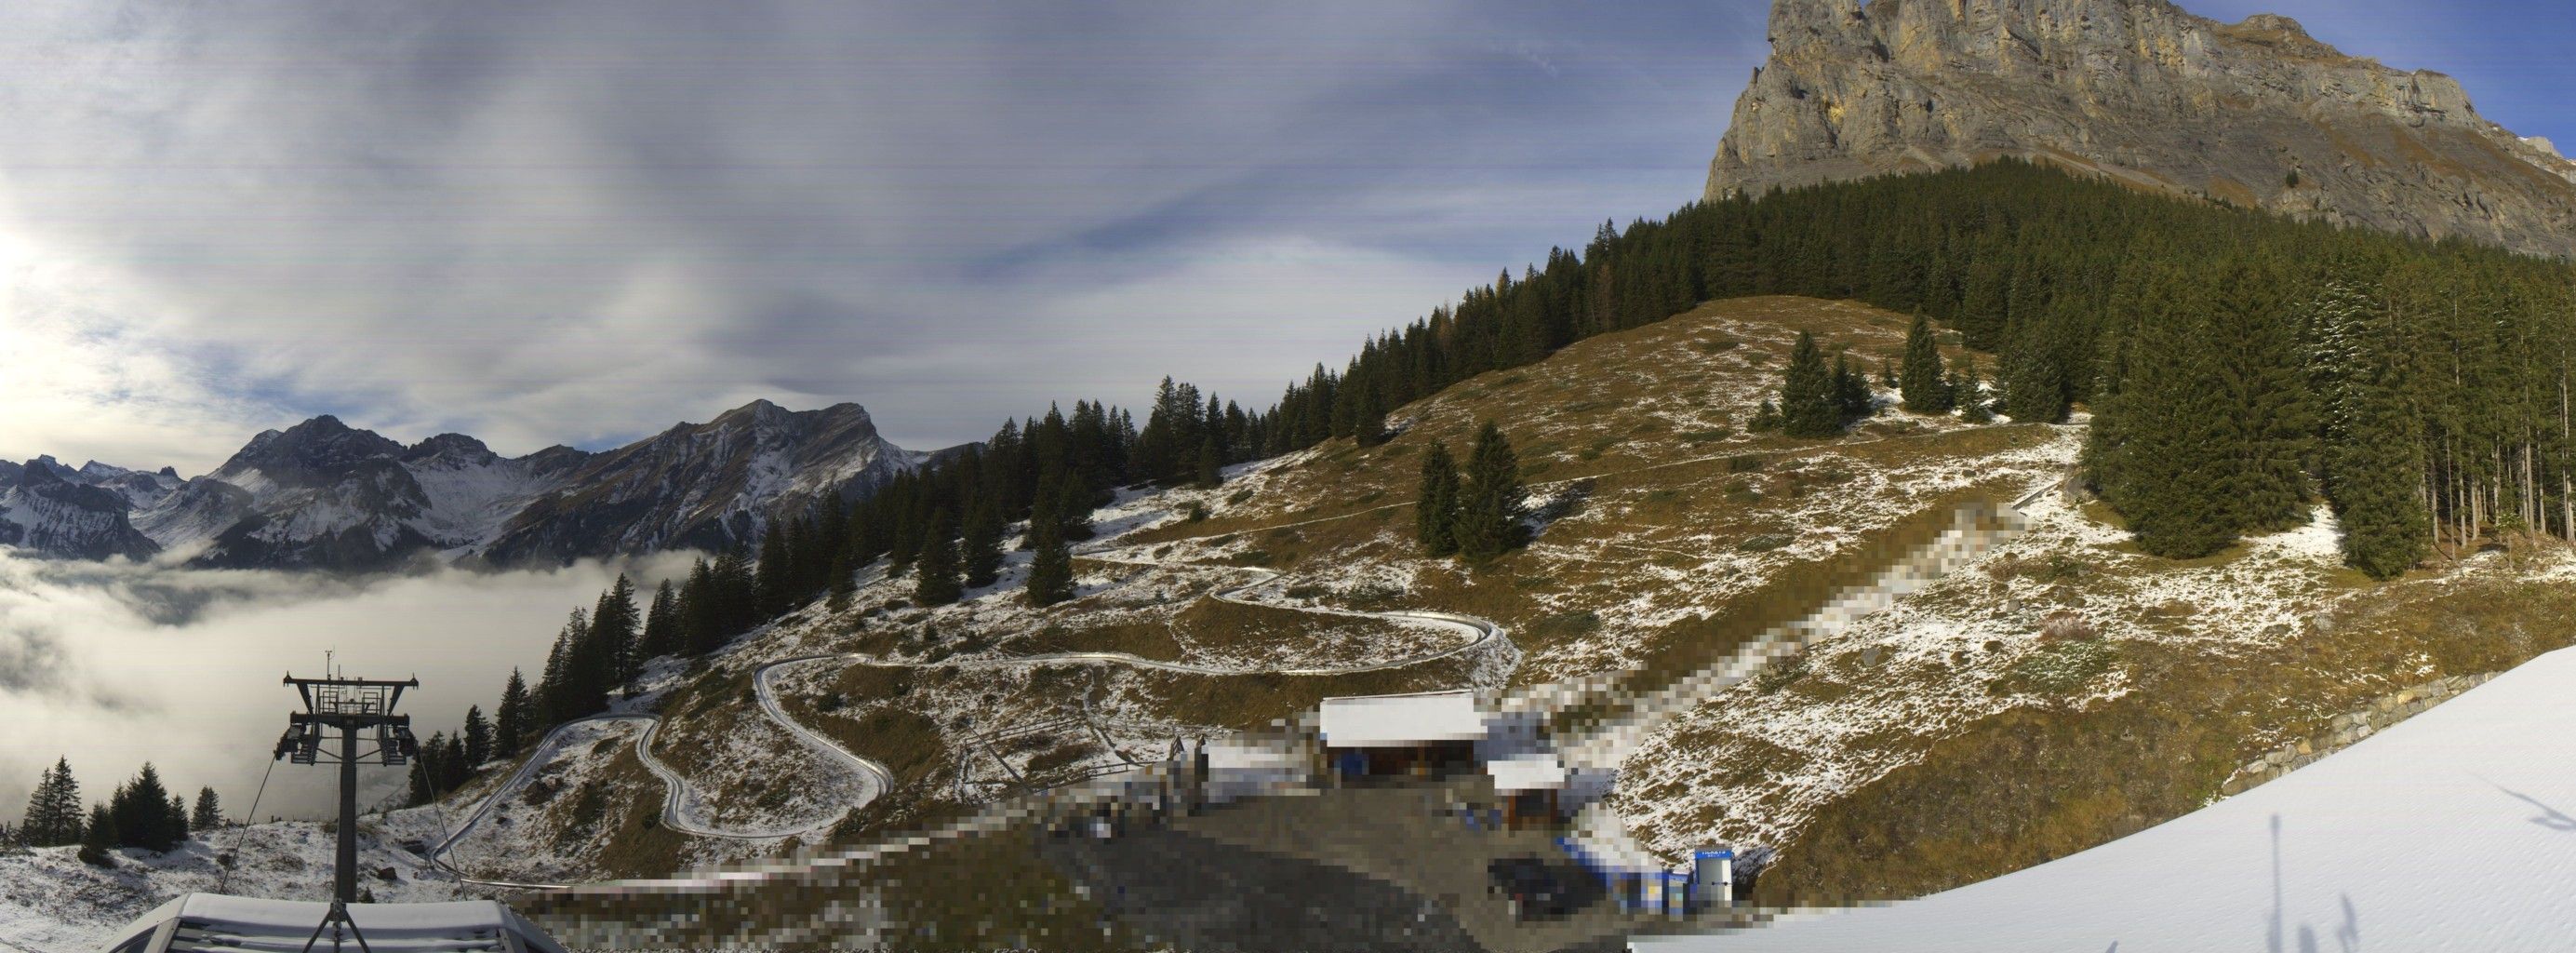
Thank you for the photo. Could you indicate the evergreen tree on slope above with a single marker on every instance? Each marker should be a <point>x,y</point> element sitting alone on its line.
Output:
<point>1435,517</point>
<point>1807,408</point>
<point>1925,388</point>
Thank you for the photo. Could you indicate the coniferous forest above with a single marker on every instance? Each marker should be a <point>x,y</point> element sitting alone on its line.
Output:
<point>2239,367</point>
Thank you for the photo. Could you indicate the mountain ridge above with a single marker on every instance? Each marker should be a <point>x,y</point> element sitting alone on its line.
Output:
<point>323,495</point>
<point>2256,113</point>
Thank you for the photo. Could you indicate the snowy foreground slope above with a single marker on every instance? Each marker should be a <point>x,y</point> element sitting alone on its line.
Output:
<point>2450,831</point>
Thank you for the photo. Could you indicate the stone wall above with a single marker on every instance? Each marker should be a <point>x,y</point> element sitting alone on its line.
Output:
<point>2343,730</point>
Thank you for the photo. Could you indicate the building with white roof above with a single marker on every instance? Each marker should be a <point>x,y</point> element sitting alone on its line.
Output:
<point>1417,734</point>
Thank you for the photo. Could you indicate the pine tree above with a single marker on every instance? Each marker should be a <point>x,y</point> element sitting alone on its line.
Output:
<point>423,789</point>
<point>936,566</point>
<point>1435,516</point>
<point>1766,418</point>
<point>478,737</point>
<point>2375,463</point>
<point>1807,408</point>
<point>773,575</point>
<point>1925,388</point>
<point>1211,464</point>
<point>453,768</point>
<point>141,812</point>
<point>209,814</point>
<point>1852,400</point>
<point>1490,499</point>
<point>981,550</point>
<point>1051,574</point>
<point>53,816</point>
<point>98,838</point>
<point>513,724</point>
<point>178,819</point>
<point>2171,466</point>
<point>2374,442</point>
<point>613,625</point>
<point>556,693</point>
<point>845,582</point>
<point>662,624</point>
<point>1970,395</point>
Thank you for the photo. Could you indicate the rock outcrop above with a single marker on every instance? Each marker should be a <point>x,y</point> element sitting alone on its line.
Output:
<point>2256,113</point>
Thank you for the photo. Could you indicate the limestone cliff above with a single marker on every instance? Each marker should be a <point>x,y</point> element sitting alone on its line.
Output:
<point>2255,113</point>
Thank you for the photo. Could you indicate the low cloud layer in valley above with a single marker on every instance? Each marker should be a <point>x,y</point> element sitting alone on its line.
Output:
<point>115,664</point>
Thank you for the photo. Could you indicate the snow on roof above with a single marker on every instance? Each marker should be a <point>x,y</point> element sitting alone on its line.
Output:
<point>1396,721</point>
<point>246,923</point>
<point>1227,754</point>
<point>1535,772</point>
<point>2446,831</point>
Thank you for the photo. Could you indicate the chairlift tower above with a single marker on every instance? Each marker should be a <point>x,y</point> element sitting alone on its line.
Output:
<point>355,707</point>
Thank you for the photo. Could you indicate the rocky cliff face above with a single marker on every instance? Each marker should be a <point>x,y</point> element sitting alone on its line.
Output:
<point>2255,113</point>
<point>704,485</point>
<point>54,510</point>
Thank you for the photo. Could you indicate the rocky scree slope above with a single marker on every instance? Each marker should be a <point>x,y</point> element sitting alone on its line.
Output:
<point>2256,113</point>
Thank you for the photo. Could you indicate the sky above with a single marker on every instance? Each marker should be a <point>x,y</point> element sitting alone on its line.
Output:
<point>582,222</point>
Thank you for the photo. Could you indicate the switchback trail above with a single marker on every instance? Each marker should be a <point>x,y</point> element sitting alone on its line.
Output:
<point>684,807</point>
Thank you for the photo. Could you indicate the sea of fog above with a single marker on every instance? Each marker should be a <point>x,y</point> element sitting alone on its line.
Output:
<point>116,664</point>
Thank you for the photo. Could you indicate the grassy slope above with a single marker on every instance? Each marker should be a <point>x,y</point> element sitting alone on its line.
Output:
<point>1938,742</point>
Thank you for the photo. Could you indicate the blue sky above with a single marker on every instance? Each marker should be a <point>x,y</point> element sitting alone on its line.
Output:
<point>582,222</point>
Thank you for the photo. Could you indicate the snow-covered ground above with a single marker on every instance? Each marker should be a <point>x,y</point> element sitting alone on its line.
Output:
<point>51,902</point>
<point>2450,831</point>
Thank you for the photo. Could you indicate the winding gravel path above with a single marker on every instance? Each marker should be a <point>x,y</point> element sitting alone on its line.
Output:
<point>684,807</point>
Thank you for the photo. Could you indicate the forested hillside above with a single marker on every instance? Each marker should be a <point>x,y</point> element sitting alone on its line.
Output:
<point>2228,355</point>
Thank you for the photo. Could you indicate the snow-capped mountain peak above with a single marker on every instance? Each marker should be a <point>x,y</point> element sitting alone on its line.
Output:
<point>323,494</point>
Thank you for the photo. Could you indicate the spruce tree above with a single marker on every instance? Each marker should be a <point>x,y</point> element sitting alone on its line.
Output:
<point>1051,573</point>
<point>209,814</point>
<point>178,818</point>
<point>936,567</point>
<point>1435,517</point>
<point>1807,408</point>
<point>2374,454</point>
<point>1211,464</point>
<point>661,635</point>
<point>2172,465</point>
<point>98,838</point>
<point>1766,418</point>
<point>1852,400</point>
<point>981,549</point>
<point>2375,464</point>
<point>774,576</point>
<point>1923,383</point>
<point>1970,395</point>
<point>453,768</point>
<point>1370,429</point>
<point>53,817</point>
<point>1490,499</point>
<point>478,737</point>
<point>141,809</point>
<point>512,722</point>
<point>845,582</point>
<point>612,654</point>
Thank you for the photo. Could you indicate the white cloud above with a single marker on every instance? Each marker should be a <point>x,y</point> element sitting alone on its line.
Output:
<point>115,664</point>
<point>583,222</point>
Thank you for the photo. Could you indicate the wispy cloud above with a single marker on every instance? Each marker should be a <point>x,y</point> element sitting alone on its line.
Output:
<point>581,222</point>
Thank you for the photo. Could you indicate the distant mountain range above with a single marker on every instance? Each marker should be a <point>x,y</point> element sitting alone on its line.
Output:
<point>324,495</point>
<point>2257,114</point>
